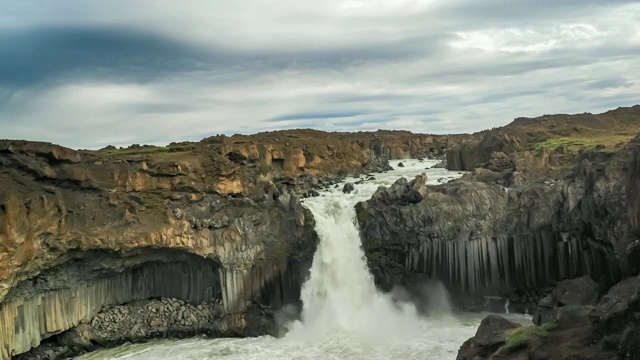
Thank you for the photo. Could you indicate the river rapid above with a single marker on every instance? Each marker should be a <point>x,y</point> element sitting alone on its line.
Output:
<point>343,316</point>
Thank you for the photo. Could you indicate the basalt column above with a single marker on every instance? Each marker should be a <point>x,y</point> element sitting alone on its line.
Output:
<point>30,315</point>
<point>487,240</point>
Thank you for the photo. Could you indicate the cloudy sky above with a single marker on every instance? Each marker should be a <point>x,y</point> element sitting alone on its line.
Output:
<point>86,74</point>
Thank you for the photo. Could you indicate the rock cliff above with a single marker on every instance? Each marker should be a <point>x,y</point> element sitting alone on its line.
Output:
<point>563,136</point>
<point>216,224</point>
<point>546,200</point>
<point>484,239</point>
<point>79,232</point>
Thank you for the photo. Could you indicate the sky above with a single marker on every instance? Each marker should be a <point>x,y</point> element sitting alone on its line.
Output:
<point>86,74</point>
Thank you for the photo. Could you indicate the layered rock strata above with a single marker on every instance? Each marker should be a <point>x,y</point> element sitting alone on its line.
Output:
<point>80,231</point>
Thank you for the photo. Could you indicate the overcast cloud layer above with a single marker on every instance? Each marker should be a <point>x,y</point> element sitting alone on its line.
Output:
<point>86,74</point>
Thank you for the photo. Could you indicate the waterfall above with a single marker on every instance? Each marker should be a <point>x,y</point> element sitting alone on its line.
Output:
<point>344,316</point>
<point>340,294</point>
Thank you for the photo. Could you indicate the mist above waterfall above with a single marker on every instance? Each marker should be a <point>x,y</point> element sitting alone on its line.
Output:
<point>429,297</point>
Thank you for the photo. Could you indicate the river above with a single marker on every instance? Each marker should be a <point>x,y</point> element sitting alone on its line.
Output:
<point>344,316</point>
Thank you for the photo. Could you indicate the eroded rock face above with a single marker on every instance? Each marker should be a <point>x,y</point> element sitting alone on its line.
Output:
<point>524,141</point>
<point>476,151</point>
<point>485,239</point>
<point>81,231</point>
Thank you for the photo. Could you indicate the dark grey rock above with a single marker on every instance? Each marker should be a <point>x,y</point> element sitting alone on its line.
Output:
<point>493,330</point>
<point>574,316</point>
<point>491,334</point>
<point>573,292</point>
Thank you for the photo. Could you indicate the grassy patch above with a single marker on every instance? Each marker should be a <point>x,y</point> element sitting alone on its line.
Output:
<point>527,336</point>
<point>145,151</point>
<point>137,151</point>
<point>575,144</point>
<point>547,340</point>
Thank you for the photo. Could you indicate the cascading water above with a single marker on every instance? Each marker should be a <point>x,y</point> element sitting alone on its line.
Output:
<point>344,316</point>
<point>340,295</point>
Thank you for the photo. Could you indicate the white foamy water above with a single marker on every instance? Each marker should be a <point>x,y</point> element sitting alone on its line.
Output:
<point>344,316</point>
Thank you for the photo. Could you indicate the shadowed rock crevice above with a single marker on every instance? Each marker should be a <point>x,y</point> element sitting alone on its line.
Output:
<point>77,292</point>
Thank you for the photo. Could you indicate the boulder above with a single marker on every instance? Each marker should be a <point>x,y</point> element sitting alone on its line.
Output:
<point>574,316</point>
<point>575,292</point>
<point>80,336</point>
<point>441,165</point>
<point>499,162</point>
<point>491,334</point>
<point>622,299</point>
<point>347,188</point>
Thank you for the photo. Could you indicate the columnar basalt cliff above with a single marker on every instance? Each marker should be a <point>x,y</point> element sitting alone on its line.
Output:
<point>80,232</point>
<point>216,224</point>
<point>546,200</point>
<point>512,228</point>
<point>487,240</point>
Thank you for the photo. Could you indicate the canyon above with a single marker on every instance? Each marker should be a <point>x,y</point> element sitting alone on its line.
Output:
<point>211,237</point>
<point>216,224</point>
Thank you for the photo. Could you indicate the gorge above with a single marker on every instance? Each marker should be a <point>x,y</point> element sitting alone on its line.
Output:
<point>343,314</point>
<point>217,223</point>
<point>103,247</point>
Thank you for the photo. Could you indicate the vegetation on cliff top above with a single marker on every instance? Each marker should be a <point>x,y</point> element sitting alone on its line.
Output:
<point>569,135</point>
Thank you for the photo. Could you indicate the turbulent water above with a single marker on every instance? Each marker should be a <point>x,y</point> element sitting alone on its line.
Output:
<point>344,316</point>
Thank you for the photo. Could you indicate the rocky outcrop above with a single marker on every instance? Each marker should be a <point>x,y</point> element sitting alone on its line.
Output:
<point>490,336</point>
<point>513,242</point>
<point>476,151</point>
<point>80,231</point>
<point>581,291</point>
<point>562,137</point>
<point>608,330</point>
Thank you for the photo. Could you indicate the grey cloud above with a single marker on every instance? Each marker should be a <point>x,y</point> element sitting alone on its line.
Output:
<point>44,55</point>
<point>608,83</point>
<point>497,13</point>
<point>304,116</point>
<point>85,76</point>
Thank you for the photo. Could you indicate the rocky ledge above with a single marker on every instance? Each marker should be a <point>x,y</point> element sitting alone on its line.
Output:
<point>89,240</point>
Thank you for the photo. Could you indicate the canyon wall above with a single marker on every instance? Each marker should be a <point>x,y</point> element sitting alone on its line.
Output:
<point>216,224</point>
<point>484,239</point>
